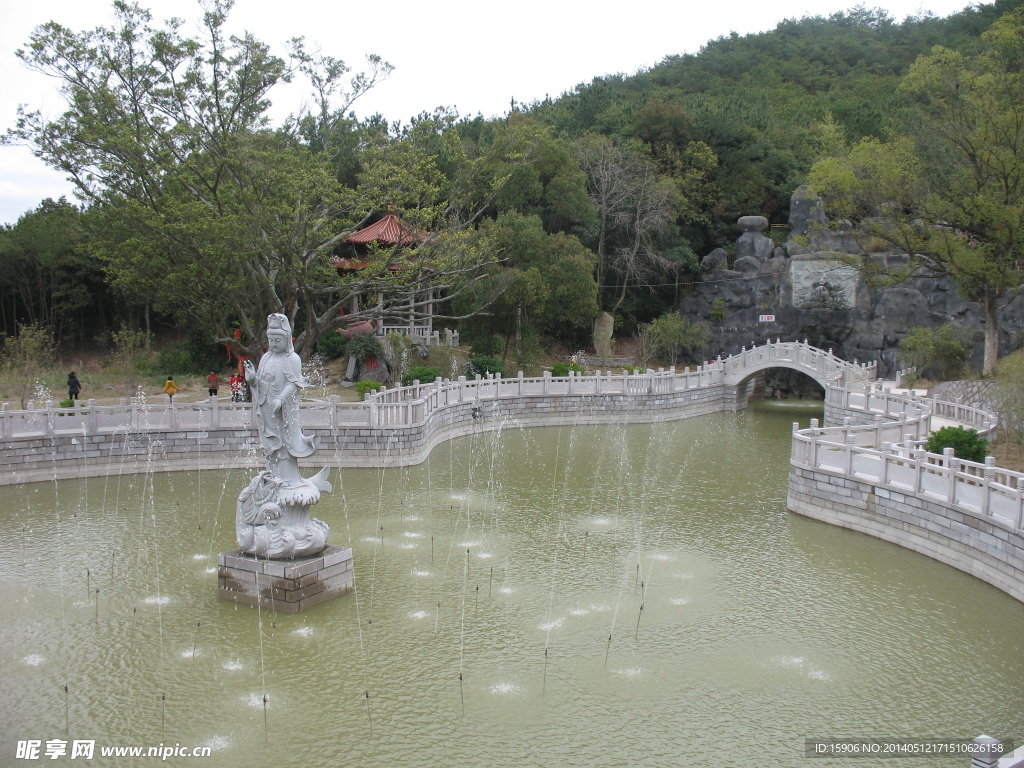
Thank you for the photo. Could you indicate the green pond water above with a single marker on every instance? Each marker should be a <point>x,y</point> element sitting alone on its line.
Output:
<point>631,595</point>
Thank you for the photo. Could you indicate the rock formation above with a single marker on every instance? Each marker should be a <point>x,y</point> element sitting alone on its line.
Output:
<point>809,289</point>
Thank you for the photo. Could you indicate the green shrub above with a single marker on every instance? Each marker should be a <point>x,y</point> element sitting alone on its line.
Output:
<point>672,333</point>
<point>562,369</point>
<point>483,366</point>
<point>364,347</point>
<point>718,310</point>
<point>966,443</point>
<point>331,345</point>
<point>69,403</point>
<point>421,373</point>
<point>943,351</point>
<point>487,346</point>
<point>362,387</point>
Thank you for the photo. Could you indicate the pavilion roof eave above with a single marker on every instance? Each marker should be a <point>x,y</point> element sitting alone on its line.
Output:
<point>390,230</point>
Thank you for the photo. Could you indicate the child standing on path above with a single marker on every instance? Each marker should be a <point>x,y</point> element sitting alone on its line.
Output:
<point>211,382</point>
<point>170,388</point>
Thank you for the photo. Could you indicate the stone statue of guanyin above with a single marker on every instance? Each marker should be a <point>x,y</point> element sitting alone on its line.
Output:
<point>272,515</point>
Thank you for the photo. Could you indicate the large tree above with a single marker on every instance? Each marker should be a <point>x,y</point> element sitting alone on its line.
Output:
<point>952,195</point>
<point>636,207</point>
<point>543,285</point>
<point>198,204</point>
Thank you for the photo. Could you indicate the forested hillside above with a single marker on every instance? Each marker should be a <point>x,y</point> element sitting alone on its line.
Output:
<point>768,105</point>
<point>604,198</point>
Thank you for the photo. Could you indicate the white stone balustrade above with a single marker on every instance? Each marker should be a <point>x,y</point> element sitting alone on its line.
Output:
<point>412,405</point>
<point>876,478</point>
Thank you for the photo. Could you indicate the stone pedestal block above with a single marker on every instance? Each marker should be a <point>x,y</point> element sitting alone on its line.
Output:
<point>288,586</point>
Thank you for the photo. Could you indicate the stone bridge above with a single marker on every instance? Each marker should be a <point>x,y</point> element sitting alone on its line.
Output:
<point>824,367</point>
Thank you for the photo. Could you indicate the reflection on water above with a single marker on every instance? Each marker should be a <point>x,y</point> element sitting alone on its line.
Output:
<point>588,596</point>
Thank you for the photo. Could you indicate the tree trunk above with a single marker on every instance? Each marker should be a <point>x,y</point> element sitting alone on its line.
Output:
<point>519,331</point>
<point>991,335</point>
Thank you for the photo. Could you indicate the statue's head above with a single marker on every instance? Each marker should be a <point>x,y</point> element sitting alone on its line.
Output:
<point>279,333</point>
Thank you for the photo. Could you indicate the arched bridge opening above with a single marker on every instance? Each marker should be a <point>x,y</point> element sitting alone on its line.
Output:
<point>781,382</point>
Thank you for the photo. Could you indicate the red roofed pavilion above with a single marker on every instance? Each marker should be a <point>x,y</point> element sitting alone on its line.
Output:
<point>389,232</point>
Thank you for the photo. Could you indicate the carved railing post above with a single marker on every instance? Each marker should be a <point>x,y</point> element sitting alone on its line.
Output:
<point>949,461</point>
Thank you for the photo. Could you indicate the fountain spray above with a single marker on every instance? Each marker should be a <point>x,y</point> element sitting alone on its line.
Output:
<point>369,719</point>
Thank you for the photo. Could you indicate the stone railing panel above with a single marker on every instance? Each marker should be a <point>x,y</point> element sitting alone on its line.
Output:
<point>888,454</point>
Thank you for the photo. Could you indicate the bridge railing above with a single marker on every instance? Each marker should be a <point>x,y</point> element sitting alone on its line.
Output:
<point>889,453</point>
<point>822,365</point>
<point>136,416</point>
<point>395,407</point>
<point>411,405</point>
<point>879,402</point>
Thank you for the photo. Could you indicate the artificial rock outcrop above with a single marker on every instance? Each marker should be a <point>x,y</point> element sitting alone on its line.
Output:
<point>803,289</point>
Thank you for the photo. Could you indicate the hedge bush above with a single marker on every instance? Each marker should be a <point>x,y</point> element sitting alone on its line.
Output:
<point>966,443</point>
<point>367,385</point>
<point>421,373</point>
<point>483,366</point>
<point>364,347</point>
<point>562,369</point>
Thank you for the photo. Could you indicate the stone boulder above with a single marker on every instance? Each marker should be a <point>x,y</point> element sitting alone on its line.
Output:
<point>717,259</point>
<point>752,242</point>
<point>806,212</point>
<point>746,264</point>
<point>604,328</point>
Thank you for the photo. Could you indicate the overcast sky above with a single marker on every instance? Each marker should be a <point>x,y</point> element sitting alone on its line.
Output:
<point>473,56</point>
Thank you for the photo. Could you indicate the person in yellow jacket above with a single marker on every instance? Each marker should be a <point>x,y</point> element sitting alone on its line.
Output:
<point>170,388</point>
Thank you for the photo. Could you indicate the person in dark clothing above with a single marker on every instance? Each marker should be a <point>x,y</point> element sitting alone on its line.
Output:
<point>74,386</point>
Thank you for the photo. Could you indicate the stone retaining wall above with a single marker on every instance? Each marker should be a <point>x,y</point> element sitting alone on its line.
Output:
<point>981,546</point>
<point>985,393</point>
<point>61,457</point>
<point>850,477</point>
